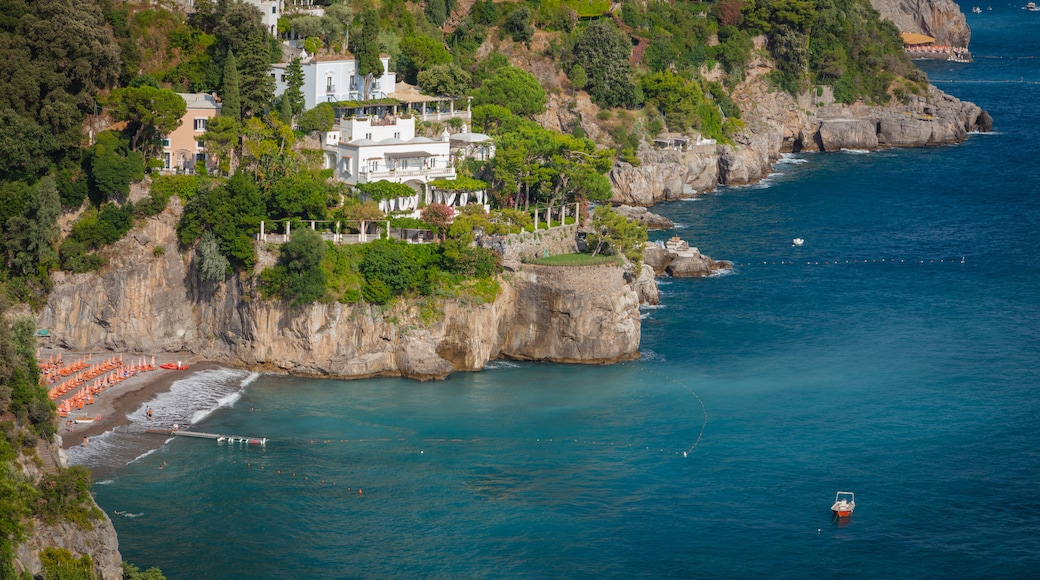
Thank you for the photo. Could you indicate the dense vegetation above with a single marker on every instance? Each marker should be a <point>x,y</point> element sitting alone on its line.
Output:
<point>70,67</point>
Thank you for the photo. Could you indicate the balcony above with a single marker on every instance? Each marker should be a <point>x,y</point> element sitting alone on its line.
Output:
<point>330,89</point>
<point>421,172</point>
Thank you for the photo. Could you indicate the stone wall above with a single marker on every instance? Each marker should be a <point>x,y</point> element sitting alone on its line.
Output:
<point>530,245</point>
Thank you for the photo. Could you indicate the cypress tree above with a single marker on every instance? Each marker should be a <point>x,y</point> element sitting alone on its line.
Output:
<point>294,86</point>
<point>285,110</point>
<point>232,99</point>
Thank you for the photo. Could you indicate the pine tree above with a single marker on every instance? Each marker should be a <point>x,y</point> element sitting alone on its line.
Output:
<point>294,86</point>
<point>232,99</point>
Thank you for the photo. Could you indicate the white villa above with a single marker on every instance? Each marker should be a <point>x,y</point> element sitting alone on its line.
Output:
<point>329,79</point>
<point>366,149</point>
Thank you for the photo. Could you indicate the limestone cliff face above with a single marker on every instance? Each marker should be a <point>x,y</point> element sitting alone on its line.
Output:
<point>940,19</point>
<point>777,122</point>
<point>146,300</point>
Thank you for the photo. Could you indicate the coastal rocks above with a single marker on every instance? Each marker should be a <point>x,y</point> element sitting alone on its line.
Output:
<point>752,158</point>
<point>677,259</point>
<point>650,220</point>
<point>940,19</point>
<point>646,287</point>
<point>665,175</point>
<point>584,314</point>
<point>836,134</point>
<point>417,359</point>
<point>100,543</point>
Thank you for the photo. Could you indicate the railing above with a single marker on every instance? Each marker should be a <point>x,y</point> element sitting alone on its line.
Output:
<point>330,89</point>
<point>433,172</point>
<point>444,116</point>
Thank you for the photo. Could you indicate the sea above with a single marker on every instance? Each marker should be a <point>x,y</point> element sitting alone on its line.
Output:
<point>895,355</point>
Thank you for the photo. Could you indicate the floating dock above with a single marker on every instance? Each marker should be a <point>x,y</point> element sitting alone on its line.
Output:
<point>229,439</point>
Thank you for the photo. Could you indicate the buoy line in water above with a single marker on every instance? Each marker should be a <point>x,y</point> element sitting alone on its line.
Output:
<point>704,410</point>
<point>856,262</point>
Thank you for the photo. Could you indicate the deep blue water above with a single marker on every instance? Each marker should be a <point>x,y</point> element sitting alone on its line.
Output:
<point>895,355</point>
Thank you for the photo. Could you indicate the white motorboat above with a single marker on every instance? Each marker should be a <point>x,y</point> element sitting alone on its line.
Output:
<point>798,241</point>
<point>844,503</point>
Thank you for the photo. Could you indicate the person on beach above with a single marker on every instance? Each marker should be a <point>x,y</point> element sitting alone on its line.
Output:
<point>149,412</point>
<point>84,441</point>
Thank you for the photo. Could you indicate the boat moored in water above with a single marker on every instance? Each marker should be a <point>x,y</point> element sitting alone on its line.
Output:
<point>844,503</point>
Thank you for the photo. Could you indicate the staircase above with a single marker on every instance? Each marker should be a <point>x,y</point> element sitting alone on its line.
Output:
<point>45,455</point>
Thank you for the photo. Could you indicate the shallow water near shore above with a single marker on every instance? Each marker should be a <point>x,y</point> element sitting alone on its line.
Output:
<point>894,354</point>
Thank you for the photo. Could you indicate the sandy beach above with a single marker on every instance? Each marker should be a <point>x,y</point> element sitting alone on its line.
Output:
<point>117,401</point>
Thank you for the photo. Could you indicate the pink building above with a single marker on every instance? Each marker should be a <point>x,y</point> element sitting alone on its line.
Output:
<point>183,147</point>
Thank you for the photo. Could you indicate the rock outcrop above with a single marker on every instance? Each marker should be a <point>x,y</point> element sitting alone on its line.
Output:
<point>645,217</point>
<point>777,123</point>
<point>679,260</point>
<point>146,300</point>
<point>99,542</point>
<point>940,19</point>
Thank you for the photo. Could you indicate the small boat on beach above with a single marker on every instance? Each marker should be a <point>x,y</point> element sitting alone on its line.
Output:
<point>844,503</point>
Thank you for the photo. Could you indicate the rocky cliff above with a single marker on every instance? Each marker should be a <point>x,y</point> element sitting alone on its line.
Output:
<point>940,19</point>
<point>99,542</point>
<point>147,300</point>
<point>777,122</point>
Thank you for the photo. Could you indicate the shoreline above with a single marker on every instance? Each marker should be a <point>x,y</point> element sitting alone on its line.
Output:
<point>116,402</point>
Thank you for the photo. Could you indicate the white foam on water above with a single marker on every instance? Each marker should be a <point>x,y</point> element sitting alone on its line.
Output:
<point>723,272</point>
<point>790,158</point>
<point>502,364</point>
<point>188,401</point>
<point>648,355</point>
<point>855,151</point>
<point>698,198</point>
<point>104,482</point>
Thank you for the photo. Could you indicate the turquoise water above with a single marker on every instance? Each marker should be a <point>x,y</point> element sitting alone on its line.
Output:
<point>895,355</point>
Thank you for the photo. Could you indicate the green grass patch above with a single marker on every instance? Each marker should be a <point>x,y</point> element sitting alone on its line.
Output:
<point>577,260</point>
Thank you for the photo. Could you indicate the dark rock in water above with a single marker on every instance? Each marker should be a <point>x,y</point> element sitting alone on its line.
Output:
<point>657,258</point>
<point>985,122</point>
<point>642,215</point>
<point>694,264</point>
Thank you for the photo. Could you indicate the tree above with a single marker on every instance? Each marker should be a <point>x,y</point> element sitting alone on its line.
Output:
<point>613,233</point>
<point>436,11</point>
<point>231,99</point>
<point>675,97</point>
<point>445,79</point>
<point>209,262</point>
<point>298,276</point>
<point>439,216</point>
<point>603,51</point>
<point>320,118</point>
<point>221,138</point>
<point>150,112</point>
<point>518,25</point>
<point>514,89</point>
<point>578,77</point>
<point>421,53</point>
<point>294,86</point>
<point>241,30</point>
<point>366,50</point>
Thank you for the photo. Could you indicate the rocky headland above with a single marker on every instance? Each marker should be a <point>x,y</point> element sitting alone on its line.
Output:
<point>150,301</point>
<point>777,123</point>
<point>940,19</point>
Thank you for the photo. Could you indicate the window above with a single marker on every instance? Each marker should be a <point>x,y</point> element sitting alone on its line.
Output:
<point>165,142</point>
<point>368,135</point>
<point>283,78</point>
<point>374,165</point>
<point>200,123</point>
<point>274,10</point>
<point>397,135</point>
<point>166,160</point>
<point>200,145</point>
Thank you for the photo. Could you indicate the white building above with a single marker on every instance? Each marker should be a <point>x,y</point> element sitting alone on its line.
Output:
<point>329,79</point>
<point>367,149</point>
<point>271,10</point>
